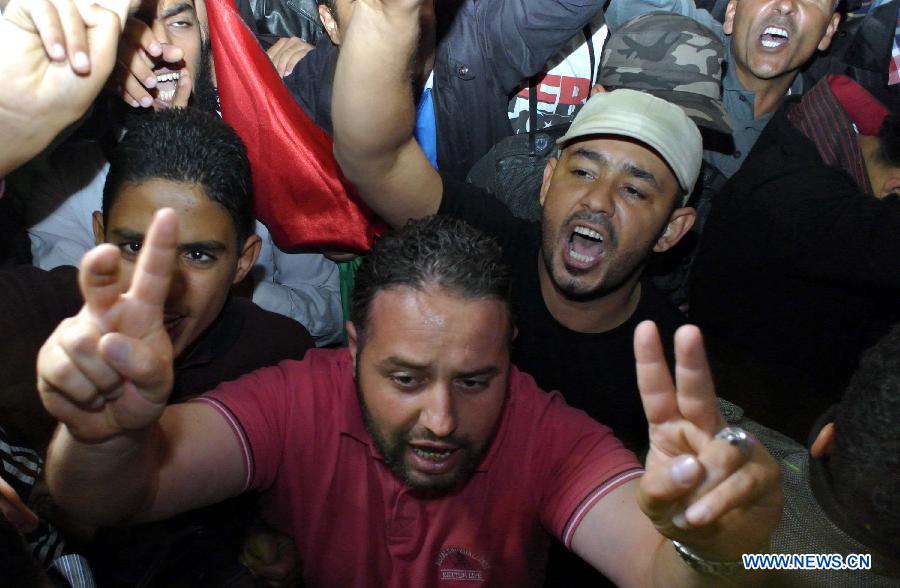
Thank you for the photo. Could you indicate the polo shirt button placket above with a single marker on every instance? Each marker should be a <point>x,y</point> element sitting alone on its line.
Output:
<point>401,526</point>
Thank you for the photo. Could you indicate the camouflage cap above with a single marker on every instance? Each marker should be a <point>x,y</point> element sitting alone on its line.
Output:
<point>673,57</point>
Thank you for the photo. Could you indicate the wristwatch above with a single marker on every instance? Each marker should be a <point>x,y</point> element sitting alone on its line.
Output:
<point>705,566</point>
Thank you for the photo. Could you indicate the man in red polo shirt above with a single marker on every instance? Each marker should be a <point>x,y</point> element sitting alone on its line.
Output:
<point>419,456</point>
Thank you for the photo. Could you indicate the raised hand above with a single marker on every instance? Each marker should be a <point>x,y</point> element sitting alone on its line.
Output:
<point>54,58</point>
<point>108,369</point>
<point>286,53</point>
<point>702,491</point>
<point>139,53</point>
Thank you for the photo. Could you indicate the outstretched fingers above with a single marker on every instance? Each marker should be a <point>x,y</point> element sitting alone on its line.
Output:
<point>693,379</point>
<point>99,280</point>
<point>153,274</point>
<point>654,381</point>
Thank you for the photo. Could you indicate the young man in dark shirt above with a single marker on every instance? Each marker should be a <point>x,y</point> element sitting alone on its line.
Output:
<point>614,195</point>
<point>194,163</point>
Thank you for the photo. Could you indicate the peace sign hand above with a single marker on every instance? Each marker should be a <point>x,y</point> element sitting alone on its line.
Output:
<point>699,490</point>
<point>108,369</point>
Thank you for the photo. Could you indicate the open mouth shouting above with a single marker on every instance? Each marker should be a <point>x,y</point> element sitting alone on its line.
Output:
<point>774,37</point>
<point>585,248</point>
<point>166,85</point>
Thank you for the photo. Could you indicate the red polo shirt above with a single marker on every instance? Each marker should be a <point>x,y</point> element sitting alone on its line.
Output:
<point>355,524</point>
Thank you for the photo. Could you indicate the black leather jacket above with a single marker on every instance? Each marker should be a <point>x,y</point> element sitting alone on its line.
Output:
<point>270,19</point>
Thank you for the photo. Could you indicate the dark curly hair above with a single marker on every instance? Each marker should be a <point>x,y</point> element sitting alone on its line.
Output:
<point>189,146</point>
<point>865,462</point>
<point>433,251</point>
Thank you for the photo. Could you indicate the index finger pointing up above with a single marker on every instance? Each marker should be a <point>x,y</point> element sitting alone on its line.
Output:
<point>150,283</point>
<point>654,381</point>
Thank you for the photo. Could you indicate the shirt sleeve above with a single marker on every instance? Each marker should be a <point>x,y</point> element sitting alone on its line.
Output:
<point>60,209</point>
<point>256,407</point>
<point>579,462</point>
<point>520,36</point>
<point>303,286</point>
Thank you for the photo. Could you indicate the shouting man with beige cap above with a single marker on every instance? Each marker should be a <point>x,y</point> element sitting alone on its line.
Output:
<point>614,195</point>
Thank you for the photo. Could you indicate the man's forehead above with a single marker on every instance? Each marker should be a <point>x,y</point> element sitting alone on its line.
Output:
<point>405,317</point>
<point>613,150</point>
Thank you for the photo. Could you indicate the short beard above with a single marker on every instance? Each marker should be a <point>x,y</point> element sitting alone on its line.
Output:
<point>392,450</point>
<point>205,97</point>
<point>624,268</point>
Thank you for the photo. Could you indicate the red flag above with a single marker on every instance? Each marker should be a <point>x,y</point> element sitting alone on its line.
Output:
<point>300,193</point>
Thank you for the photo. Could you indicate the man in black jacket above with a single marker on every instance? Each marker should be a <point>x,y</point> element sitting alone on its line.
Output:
<point>797,272</point>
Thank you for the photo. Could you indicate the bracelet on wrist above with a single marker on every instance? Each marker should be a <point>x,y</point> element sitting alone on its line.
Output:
<point>706,566</point>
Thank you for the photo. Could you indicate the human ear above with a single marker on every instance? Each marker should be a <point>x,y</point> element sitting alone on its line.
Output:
<point>352,341</point>
<point>728,23</point>
<point>97,224</point>
<point>824,443</point>
<point>832,28</point>
<point>247,257</point>
<point>330,24</point>
<point>680,222</point>
<point>548,173</point>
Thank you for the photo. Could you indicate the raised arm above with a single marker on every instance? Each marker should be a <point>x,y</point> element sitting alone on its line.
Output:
<point>373,130</point>
<point>106,374</point>
<point>717,499</point>
<point>54,58</point>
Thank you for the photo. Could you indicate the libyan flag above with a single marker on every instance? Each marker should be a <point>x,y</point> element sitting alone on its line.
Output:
<point>300,193</point>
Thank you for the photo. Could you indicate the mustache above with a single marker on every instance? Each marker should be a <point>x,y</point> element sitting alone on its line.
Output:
<point>785,21</point>
<point>596,219</point>
<point>427,435</point>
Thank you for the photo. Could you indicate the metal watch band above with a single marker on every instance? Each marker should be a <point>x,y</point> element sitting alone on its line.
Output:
<point>705,566</point>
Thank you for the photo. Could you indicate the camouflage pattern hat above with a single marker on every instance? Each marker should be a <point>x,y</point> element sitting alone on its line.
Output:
<point>672,57</point>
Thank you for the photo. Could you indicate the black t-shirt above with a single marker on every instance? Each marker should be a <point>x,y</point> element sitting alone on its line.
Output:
<point>594,371</point>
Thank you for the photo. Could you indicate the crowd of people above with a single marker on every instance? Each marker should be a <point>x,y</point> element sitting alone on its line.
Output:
<point>423,293</point>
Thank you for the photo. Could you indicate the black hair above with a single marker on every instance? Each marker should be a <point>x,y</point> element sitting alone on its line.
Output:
<point>434,251</point>
<point>189,146</point>
<point>865,462</point>
<point>888,151</point>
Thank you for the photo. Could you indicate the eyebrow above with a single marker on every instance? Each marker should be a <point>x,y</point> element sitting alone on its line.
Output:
<point>127,234</point>
<point>630,168</point>
<point>210,245</point>
<point>176,9</point>
<point>399,362</point>
<point>641,174</point>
